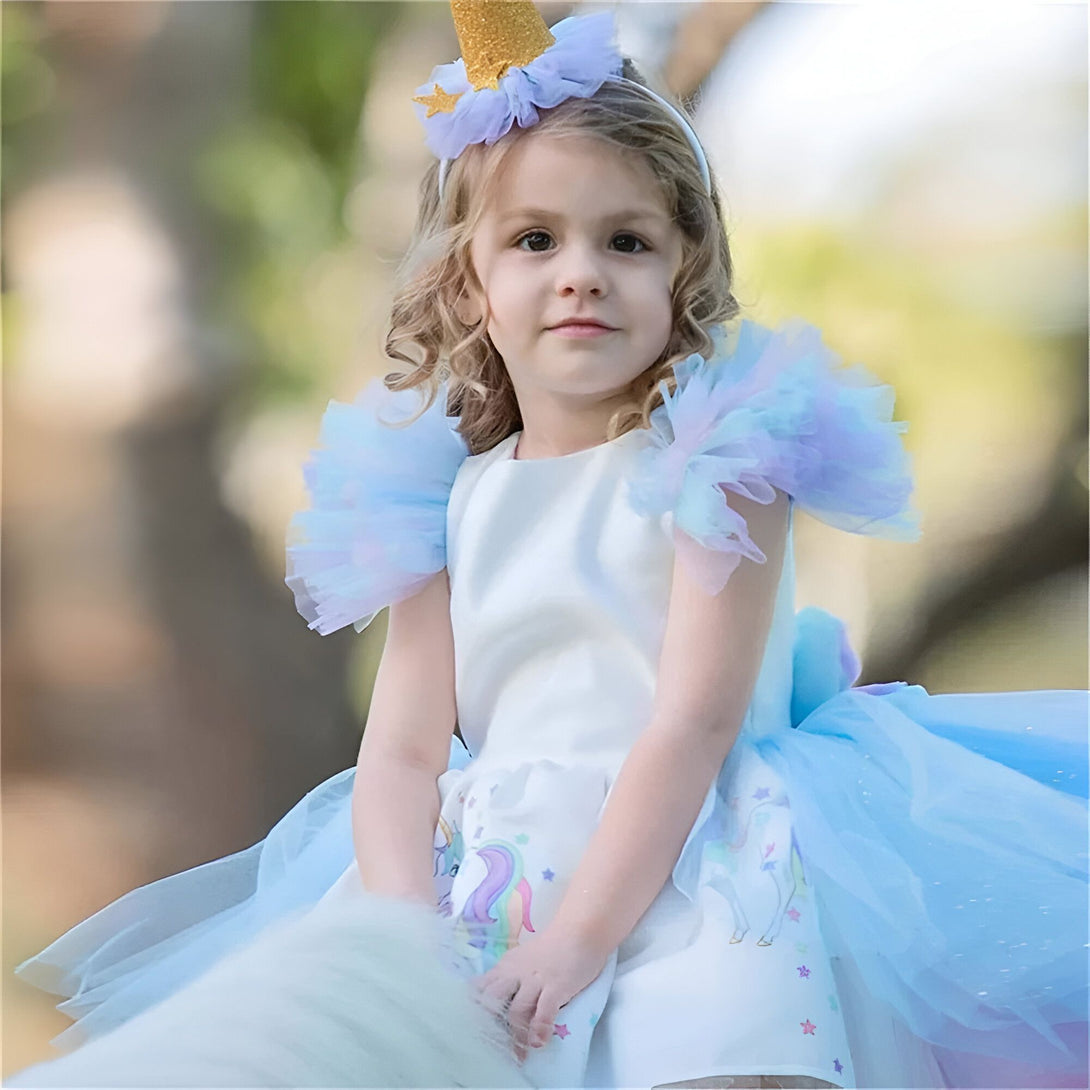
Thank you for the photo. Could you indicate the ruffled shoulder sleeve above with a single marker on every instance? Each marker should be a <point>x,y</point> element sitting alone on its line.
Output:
<point>771,409</point>
<point>376,528</point>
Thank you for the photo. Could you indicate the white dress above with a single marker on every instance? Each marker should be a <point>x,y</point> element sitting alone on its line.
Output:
<point>558,603</point>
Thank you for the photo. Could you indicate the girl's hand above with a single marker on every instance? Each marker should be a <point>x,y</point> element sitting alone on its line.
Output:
<point>537,978</point>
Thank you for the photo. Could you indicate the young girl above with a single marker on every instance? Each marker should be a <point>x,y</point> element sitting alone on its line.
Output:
<point>662,837</point>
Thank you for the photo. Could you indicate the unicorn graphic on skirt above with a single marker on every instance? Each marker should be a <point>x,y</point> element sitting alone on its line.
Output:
<point>765,838</point>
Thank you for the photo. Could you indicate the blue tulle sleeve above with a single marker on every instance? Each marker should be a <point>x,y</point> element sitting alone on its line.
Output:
<point>376,529</point>
<point>771,409</point>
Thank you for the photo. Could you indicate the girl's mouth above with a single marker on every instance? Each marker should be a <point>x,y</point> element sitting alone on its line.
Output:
<point>581,329</point>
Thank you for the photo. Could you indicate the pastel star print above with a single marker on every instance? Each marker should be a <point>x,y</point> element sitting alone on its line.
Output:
<point>761,793</point>
<point>800,947</point>
<point>547,874</point>
<point>472,802</point>
<point>803,971</point>
<point>480,829</point>
<point>522,838</point>
<point>838,1066</point>
<point>808,1027</point>
<point>832,1003</point>
<point>561,1031</point>
<point>793,913</point>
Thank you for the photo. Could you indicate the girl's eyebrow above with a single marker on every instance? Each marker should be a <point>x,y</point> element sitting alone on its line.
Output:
<point>627,215</point>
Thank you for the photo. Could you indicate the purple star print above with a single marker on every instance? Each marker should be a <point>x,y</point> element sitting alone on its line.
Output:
<point>803,971</point>
<point>547,874</point>
<point>838,1066</point>
<point>761,793</point>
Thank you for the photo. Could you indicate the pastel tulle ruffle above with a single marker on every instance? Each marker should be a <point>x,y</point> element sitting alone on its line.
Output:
<point>376,530</point>
<point>575,66</point>
<point>772,409</point>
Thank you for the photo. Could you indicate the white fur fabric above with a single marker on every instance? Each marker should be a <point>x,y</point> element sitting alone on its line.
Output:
<point>351,993</point>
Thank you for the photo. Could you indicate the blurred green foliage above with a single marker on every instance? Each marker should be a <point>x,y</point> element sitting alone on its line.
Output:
<point>27,91</point>
<point>278,179</point>
<point>900,315</point>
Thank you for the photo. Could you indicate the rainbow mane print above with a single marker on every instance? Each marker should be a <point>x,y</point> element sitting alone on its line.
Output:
<point>503,888</point>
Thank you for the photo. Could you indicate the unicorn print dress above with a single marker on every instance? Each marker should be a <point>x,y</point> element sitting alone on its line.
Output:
<point>883,886</point>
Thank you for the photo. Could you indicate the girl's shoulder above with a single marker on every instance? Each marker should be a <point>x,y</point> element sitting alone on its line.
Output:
<point>772,409</point>
<point>375,531</point>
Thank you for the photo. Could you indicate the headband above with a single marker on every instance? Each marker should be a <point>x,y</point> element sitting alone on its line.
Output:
<point>512,64</point>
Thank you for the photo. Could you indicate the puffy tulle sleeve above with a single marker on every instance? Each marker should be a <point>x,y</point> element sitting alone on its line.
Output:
<point>771,409</point>
<point>376,528</point>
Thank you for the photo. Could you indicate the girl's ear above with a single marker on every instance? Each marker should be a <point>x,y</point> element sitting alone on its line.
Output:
<point>467,309</point>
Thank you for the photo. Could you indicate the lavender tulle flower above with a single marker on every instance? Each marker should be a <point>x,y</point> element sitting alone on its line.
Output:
<point>376,530</point>
<point>774,412</point>
<point>582,58</point>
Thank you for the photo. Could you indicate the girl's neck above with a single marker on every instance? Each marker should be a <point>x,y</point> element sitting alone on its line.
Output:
<point>554,431</point>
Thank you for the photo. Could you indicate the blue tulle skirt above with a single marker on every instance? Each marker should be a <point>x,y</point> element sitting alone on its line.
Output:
<point>946,840</point>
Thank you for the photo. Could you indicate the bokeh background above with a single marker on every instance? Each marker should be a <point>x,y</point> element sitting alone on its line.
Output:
<point>202,207</point>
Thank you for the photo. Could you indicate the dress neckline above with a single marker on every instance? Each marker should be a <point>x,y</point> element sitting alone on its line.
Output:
<point>509,444</point>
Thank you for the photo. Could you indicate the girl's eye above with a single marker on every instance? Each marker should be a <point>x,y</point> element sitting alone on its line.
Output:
<point>544,235</point>
<point>529,235</point>
<point>637,241</point>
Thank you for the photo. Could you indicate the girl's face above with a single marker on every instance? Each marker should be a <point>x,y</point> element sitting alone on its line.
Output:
<point>575,231</point>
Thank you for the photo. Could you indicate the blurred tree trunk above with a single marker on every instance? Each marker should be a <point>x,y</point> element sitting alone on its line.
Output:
<point>145,645</point>
<point>1050,540</point>
<point>703,36</point>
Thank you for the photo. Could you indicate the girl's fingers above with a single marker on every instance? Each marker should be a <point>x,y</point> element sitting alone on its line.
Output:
<point>541,1029</point>
<point>496,994</point>
<point>521,1014</point>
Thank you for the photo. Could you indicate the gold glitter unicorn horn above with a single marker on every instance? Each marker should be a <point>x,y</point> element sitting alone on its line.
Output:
<point>496,35</point>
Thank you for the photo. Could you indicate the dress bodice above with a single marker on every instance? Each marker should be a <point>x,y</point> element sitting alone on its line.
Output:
<point>559,596</point>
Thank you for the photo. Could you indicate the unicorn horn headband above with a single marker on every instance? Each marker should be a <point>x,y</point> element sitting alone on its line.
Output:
<point>512,64</point>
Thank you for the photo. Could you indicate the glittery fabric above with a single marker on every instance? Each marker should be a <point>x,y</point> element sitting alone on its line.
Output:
<point>496,34</point>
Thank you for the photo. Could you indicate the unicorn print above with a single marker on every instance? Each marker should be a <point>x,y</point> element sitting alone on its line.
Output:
<point>448,860</point>
<point>763,838</point>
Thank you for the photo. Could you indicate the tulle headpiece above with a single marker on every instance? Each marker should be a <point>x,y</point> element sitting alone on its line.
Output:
<point>512,64</point>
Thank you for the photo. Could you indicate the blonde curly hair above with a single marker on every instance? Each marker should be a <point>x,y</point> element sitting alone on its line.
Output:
<point>425,332</point>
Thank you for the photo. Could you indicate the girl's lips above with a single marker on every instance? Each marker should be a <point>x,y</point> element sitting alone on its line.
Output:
<point>581,330</point>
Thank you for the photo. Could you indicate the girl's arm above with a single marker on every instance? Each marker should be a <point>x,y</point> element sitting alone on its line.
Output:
<point>406,747</point>
<point>711,655</point>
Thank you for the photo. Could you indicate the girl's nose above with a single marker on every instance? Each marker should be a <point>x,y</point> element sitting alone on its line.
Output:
<point>581,273</point>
